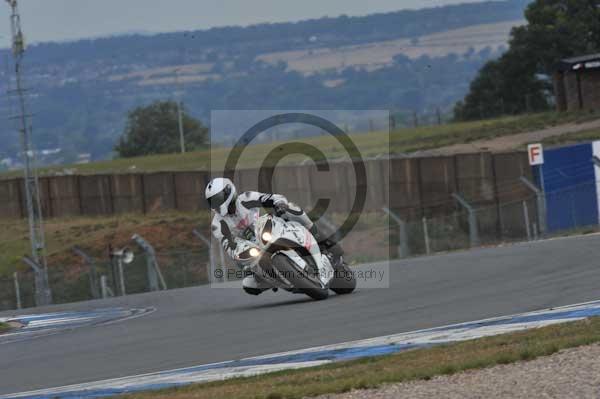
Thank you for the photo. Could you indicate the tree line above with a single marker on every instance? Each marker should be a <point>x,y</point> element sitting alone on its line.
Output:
<point>521,79</point>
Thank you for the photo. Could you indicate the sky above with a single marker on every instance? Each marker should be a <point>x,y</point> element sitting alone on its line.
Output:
<point>58,20</point>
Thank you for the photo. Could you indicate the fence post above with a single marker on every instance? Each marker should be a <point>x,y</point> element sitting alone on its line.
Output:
<point>211,258</point>
<point>93,274</point>
<point>106,291</point>
<point>426,235</point>
<point>403,249</point>
<point>596,162</point>
<point>17,289</point>
<point>541,204</point>
<point>153,270</point>
<point>526,218</point>
<point>473,230</point>
<point>121,276</point>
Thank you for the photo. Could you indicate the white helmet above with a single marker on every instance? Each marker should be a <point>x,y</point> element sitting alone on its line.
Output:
<point>220,193</point>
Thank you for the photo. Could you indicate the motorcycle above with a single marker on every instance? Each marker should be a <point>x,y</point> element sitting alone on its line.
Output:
<point>284,254</point>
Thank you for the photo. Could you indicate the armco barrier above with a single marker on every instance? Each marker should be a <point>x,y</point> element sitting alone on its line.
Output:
<point>437,181</point>
<point>95,195</point>
<point>412,187</point>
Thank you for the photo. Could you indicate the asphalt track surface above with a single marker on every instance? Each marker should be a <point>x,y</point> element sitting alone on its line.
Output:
<point>203,325</point>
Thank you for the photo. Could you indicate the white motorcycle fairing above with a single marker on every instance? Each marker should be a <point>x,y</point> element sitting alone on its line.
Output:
<point>274,235</point>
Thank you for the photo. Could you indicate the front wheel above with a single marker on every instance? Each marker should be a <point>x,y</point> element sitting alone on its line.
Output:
<point>343,281</point>
<point>298,279</point>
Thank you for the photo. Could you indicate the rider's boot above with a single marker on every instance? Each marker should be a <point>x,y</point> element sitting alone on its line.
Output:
<point>252,286</point>
<point>327,245</point>
<point>253,291</point>
<point>315,232</point>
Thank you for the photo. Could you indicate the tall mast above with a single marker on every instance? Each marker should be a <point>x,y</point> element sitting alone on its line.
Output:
<point>32,192</point>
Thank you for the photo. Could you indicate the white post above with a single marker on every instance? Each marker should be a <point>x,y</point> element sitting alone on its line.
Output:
<point>103,286</point>
<point>403,249</point>
<point>526,216</point>
<point>40,284</point>
<point>121,276</point>
<point>541,203</point>
<point>17,289</point>
<point>152,268</point>
<point>426,234</point>
<point>473,229</point>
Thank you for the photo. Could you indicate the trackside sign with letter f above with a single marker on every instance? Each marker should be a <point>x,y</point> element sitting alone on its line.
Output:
<point>535,153</point>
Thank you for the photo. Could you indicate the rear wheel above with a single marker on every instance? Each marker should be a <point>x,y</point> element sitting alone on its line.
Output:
<point>298,278</point>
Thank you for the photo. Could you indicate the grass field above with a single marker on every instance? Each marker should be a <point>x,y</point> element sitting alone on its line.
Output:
<point>376,55</point>
<point>400,141</point>
<point>168,232</point>
<point>420,364</point>
<point>94,234</point>
<point>371,55</point>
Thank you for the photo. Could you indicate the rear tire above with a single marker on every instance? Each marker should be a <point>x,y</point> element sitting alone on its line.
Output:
<point>283,264</point>
<point>344,281</point>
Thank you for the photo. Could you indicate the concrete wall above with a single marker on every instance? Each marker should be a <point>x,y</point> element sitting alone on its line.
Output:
<point>414,187</point>
<point>405,187</point>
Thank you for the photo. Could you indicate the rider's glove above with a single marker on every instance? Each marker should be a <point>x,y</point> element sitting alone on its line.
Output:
<point>280,205</point>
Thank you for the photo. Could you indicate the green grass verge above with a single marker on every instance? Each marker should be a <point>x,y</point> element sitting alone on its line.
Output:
<point>420,364</point>
<point>404,140</point>
<point>4,327</point>
<point>587,135</point>
<point>410,140</point>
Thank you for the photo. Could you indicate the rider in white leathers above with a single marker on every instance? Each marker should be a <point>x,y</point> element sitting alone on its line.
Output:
<point>234,214</point>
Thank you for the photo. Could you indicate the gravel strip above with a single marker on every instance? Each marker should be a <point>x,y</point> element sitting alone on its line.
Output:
<point>571,373</point>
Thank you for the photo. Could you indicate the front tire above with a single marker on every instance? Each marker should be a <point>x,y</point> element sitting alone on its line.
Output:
<point>284,266</point>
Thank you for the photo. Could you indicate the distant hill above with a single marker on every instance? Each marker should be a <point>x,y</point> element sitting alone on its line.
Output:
<point>404,61</point>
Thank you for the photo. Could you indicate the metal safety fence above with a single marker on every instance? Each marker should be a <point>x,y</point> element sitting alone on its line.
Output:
<point>99,278</point>
<point>453,223</point>
<point>561,212</point>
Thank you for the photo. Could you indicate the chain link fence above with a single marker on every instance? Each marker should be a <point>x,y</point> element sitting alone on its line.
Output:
<point>78,282</point>
<point>519,220</point>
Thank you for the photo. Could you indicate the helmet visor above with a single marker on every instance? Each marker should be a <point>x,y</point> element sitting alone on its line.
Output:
<point>218,199</point>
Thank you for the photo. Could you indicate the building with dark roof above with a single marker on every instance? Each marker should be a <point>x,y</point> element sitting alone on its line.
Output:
<point>577,83</point>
